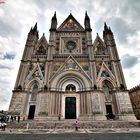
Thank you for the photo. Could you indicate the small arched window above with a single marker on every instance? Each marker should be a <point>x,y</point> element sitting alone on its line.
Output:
<point>70,87</point>
<point>34,93</point>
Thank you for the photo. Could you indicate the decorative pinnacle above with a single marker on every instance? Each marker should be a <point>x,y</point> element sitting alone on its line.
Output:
<point>35,27</point>
<point>105,26</point>
<point>86,15</point>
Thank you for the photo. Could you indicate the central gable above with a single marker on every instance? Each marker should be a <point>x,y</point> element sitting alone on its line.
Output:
<point>70,24</point>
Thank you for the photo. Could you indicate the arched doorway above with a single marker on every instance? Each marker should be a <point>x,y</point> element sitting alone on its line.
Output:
<point>33,98</point>
<point>109,99</point>
<point>70,83</point>
<point>70,103</point>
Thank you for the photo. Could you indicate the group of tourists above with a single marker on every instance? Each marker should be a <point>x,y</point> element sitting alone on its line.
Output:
<point>3,125</point>
<point>15,118</point>
<point>3,120</point>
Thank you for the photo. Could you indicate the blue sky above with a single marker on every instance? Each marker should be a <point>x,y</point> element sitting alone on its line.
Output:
<point>17,17</point>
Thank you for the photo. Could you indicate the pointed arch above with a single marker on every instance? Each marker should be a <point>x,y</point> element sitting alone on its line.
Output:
<point>34,92</point>
<point>31,83</point>
<point>105,79</point>
<point>107,84</point>
<point>107,88</point>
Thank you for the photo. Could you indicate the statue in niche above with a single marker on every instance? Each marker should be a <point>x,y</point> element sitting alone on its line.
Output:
<point>70,87</point>
<point>100,50</point>
<point>41,50</point>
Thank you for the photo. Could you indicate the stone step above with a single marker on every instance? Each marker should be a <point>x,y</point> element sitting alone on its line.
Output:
<point>70,124</point>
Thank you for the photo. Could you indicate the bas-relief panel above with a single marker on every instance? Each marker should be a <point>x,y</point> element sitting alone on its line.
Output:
<point>43,102</point>
<point>124,102</point>
<point>17,102</point>
<point>96,103</point>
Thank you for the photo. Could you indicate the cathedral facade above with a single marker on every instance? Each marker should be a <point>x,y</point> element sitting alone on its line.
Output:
<point>70,75</point>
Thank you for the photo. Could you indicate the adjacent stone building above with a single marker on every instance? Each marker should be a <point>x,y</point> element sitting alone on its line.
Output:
<point>135,100</point>
<point>71,75</point>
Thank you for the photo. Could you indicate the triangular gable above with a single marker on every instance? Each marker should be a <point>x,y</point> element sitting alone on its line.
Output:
<point>41,46</point>
<point>70,24</point>
<point>105,72</point>
<point>36,72</point>
<point>98,41</point>
<point>43,40</point>
<point>70,64</point>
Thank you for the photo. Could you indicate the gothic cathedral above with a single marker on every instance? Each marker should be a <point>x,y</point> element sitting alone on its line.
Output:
<point>70,75</point>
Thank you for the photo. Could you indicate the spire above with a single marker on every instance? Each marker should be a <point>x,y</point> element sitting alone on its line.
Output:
<point>33,31</point>
<point>105,26</point>
<point>110,30</point>
<point>107,30</point>
<point>54,23</point>
<point>87,22</point>
<point>35,27</point>
<point>86,15</point>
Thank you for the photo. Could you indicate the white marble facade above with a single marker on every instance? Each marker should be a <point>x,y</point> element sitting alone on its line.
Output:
<point>70,75</point>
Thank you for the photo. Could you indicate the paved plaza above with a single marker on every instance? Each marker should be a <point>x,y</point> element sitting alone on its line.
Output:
<point>71,134</point>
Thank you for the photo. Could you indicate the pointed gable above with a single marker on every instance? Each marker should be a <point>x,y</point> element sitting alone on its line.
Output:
<point>42,46</point>
<point>36,72</point>
<point>70,65</point>
<point>43,39</point>
<point>99,46</point>
<point>104,71</point>
<point>70,24</point>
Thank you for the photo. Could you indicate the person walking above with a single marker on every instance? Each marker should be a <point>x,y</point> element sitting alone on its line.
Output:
<point>18,119</point>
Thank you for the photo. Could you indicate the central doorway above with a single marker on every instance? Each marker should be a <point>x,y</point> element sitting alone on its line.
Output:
<point>70,108</point>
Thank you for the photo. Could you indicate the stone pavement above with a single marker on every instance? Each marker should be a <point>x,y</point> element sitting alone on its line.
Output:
<point>71,134</point>
<point>61,131</point>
